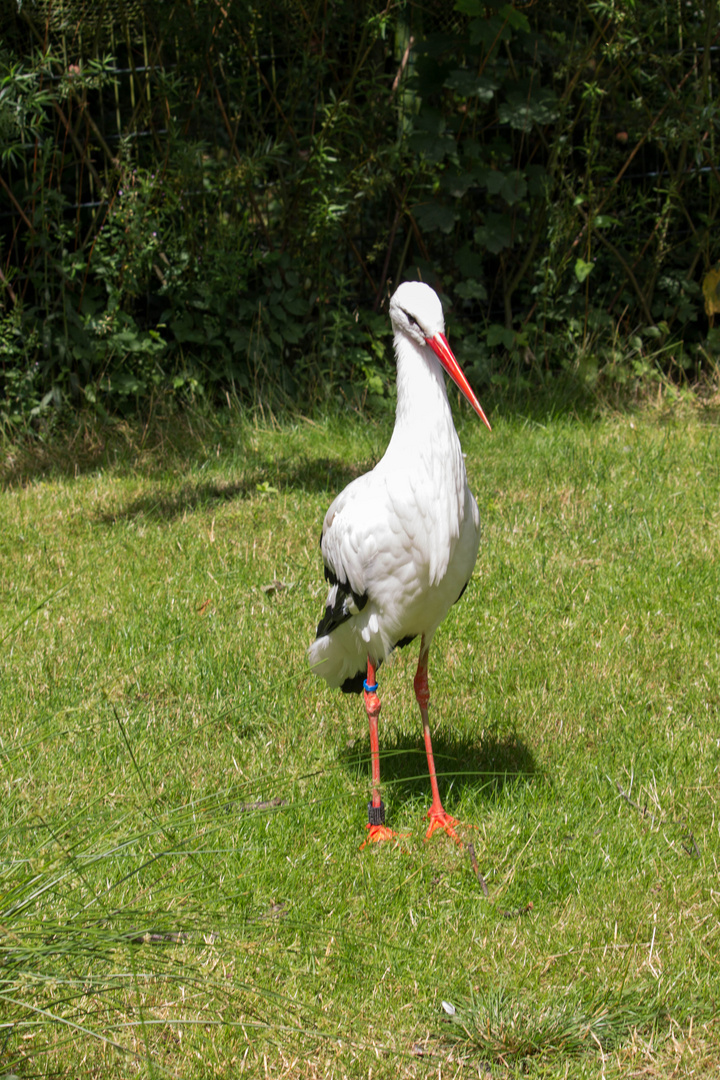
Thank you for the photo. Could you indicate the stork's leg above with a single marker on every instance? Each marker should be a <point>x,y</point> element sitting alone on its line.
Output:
<point>377,829</point>
<point>439,818</point>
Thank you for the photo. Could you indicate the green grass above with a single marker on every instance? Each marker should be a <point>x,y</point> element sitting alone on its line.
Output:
<point>181,887</point>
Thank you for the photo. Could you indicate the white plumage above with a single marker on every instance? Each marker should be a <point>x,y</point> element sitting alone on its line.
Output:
<point>399,543</point>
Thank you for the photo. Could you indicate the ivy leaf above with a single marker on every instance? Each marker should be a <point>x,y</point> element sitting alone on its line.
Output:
<point>296,305</point>
<point>456,184</point>
<point>603,221</point>
<point>494,180</point>
<point>293,332</point>
<point>239,338</point>
<point>516,113</point>
<point>185,329</point>
<point>429,137</point>
<point>522,110</point>
<point>432,147</point>
<point>432,216</point>
<point>499,335</point>
<point>514,187</point>
<point>471,290</point>
<point>469,7</point>
<point>495,234</point>
<point>515,18</point>
<point>431,121</point>
<point>466,83</point>
<point>582,269</point>
<point>461,80</point>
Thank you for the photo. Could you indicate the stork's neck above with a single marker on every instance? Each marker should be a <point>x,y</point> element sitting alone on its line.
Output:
<point>425,447</point>
<point>423,419</point>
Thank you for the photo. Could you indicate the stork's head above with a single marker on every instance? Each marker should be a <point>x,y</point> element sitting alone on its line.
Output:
<point>416,311</point>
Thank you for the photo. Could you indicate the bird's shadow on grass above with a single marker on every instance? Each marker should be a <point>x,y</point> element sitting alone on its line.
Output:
<point>310,476</point>
<point>484,767</point>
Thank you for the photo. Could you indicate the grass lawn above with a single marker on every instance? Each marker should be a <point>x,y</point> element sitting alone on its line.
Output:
<point>181,806</point>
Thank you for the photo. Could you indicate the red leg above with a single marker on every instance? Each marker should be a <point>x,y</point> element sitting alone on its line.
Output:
<point>439,818</point>
<point>377,829</point>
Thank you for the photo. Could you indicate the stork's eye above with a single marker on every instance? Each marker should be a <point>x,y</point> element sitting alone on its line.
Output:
<point>412,320</point>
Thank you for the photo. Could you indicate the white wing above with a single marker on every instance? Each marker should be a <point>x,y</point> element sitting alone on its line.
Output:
<point>396,560</point>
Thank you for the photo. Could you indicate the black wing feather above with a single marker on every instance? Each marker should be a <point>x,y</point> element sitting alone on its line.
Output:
<point>463,589</point>
<point>338,612</point>
<point>331,577</point>
<point>354,683</point>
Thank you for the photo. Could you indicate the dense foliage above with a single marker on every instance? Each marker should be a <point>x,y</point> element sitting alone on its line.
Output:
<point>214,199</point>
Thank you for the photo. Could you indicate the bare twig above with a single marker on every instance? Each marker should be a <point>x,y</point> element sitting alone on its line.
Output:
<point>517,912</point>
<point>8,286</point>
<point>476,868</point>
<point>687,841</point>
<point>403,65</point>
<point>642,810</point>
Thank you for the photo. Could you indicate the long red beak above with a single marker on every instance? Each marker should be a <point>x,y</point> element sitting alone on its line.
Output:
<point>444,353</point>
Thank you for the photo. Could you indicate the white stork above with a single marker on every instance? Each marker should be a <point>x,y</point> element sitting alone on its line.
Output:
<point>399,543</point>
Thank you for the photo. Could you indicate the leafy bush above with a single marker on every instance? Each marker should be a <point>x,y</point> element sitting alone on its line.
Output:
<point>220,205</point>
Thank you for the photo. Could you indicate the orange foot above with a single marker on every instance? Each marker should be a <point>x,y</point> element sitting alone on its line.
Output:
<point>377,834</point>
<point>439,819</point>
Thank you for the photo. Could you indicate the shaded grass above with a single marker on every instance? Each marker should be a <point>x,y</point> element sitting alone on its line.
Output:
<point>181,891</point>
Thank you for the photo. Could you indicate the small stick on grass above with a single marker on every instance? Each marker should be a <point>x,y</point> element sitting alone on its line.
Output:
<point>476,868</point>
<point>516,912</point>
<point>643,810</point>
<point>688,842</point>
<point>694,850</point>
